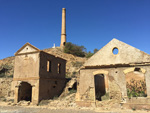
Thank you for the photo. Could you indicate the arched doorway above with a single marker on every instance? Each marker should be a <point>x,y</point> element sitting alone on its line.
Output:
<point>100,88</point>
<point>25,91</point>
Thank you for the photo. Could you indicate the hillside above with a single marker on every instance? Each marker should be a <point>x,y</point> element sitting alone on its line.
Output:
<point>73,65</point>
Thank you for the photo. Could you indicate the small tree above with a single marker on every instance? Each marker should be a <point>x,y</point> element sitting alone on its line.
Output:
<point>74,49</point>
<point>95,51</point>
<point>89,54</point>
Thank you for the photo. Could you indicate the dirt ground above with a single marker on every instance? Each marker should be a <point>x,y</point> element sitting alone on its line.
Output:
<point>40,109</point>
<point>18,109</point>
<point>65,105</point>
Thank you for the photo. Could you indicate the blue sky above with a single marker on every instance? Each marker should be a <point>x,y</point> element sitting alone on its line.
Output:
<point>92,23</point>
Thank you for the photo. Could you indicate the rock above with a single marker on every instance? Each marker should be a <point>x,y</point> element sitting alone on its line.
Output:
<point>70,85</point>
<point>23,103</point>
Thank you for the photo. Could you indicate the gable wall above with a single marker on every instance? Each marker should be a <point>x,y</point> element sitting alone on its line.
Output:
<point>27,49</point>
<point>26,66</point>
<point>127,54</point>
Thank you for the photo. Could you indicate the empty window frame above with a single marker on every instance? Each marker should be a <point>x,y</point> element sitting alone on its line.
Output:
<point>49,66</point>
<point>59,68</point>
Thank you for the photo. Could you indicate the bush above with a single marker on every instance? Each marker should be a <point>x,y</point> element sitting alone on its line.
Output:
<point>74,49</point>
<point>89,54</point>
<point>136,88</point>
<point>2,75</point>
<point>43,102</point>
<point>55,97</point>
<point>5,76</point>
<point>72,91</point>
<point>95,51</point>
<point>77,64</point>
<point>105,97</point>
<point>78,50</point>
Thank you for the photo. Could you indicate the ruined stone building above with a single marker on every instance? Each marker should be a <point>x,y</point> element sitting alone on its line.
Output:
<point>37,75</point>
<point>111,71</point>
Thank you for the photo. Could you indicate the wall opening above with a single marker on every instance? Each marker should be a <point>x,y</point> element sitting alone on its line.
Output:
<point>115,50</point>
<point>59,68</point>
<point>100,88</point>
<point>136,84</point>
<point>137,69</point>
<point>73,89</point>
<point>64,43</point>
<point>25,92</point>
<point>49,67</point>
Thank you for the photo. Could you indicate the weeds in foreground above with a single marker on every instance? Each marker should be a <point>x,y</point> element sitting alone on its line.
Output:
<point>136,88</point>
<point>72,91</point>
<point>134,109</point>
<point>43,102</point>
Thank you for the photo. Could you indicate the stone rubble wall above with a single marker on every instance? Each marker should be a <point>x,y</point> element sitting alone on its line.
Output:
<point>5,87</point>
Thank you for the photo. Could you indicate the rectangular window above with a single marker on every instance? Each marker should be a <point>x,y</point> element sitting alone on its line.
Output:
<point>59,68</point>
<point>49,66</point>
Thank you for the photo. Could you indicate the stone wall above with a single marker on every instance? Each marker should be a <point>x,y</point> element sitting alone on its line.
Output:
<point>5,87</point>
<point>115,82</point>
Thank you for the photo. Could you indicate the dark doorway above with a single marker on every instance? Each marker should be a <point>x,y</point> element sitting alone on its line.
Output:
<point>25,91</point>
<point>99,86</point>
<point>64,43</point>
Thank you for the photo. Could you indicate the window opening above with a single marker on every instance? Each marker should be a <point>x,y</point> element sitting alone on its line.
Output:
<point>137,69</point>
<point>56,82</point>
<point>115,50</point>
<point>136,84</point>
<point>49,66</point>
<point>59,68</point>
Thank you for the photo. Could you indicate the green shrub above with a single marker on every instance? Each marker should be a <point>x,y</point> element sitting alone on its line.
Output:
<point>134,109</point>
<point>89,54</point>
<point>136,88</point>
<point>77,64</point>
<point>68,74</point>
<point>2,98</point>
<point>2,75</point>
<point>105,97</point>
<point>73,74</point>
<point>44,102</point>
<point>5,76</point>
<point>74,49</point>
<point>55,97</point>
<point>72,91</point>
<point>10,76</point>
<point>95,51</point>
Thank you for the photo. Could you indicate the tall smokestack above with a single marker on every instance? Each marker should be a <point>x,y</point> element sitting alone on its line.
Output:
<point>63,28</point>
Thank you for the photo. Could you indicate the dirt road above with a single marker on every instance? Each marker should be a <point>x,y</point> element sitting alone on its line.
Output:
<point>18,109</point>
<point>38,109</point>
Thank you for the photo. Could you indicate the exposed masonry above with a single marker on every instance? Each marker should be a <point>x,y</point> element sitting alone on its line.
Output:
<point>37,75</point>
<point>104,76</point>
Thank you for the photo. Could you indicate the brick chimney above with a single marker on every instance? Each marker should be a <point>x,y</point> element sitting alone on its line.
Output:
<point>63,28</point>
